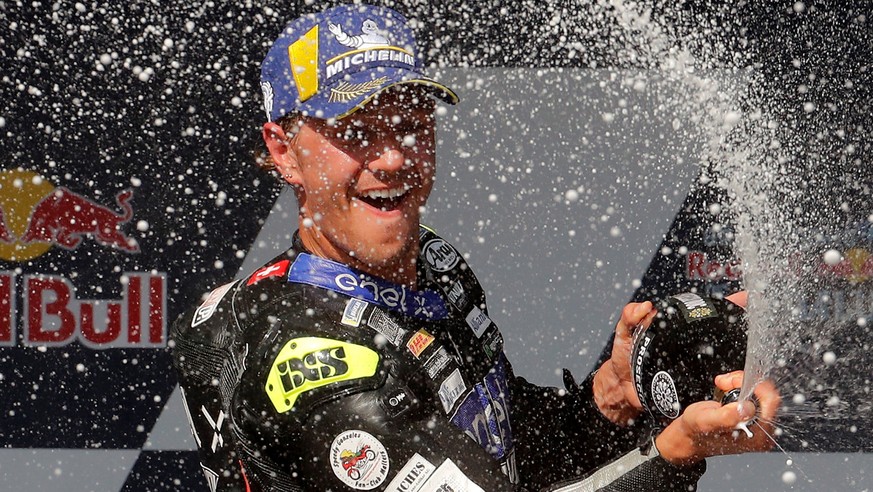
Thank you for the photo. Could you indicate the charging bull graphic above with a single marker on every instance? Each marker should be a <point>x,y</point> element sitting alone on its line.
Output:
<point>63,217</point>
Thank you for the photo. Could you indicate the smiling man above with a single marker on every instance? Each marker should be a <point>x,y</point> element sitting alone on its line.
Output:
<point>364,358</point>
<point>365,216</point>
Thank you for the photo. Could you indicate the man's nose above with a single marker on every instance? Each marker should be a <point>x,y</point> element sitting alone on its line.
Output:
<point>390,160</point>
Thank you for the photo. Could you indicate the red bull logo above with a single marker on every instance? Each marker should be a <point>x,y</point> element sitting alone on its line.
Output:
<point>699,266</point>
<point>35,215</point>
<point>855,266</point>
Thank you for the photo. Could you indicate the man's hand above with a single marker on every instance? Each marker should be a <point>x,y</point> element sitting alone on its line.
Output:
<point>707,428</point>
<point>614,390</point>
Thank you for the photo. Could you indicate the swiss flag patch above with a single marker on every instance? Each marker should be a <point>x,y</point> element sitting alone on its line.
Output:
<point>275,270</point>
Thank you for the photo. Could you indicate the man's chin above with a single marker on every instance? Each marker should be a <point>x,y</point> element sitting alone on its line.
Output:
<point>388,254</point>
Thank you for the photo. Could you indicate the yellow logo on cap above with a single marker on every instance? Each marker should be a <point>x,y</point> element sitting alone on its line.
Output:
<point>303,55</point>
<point>307,363</point>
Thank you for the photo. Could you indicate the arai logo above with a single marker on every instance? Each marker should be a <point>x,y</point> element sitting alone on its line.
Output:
<point>441,256</point>
<point>664,394</point>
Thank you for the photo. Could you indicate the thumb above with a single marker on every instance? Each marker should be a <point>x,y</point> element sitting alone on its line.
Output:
<point>633,314</point>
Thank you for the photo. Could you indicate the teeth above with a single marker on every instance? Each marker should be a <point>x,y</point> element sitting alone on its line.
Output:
<point>389,194</point>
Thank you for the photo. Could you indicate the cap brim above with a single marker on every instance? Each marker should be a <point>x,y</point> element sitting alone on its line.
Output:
<point>435,88</point>
<point>322,106</point>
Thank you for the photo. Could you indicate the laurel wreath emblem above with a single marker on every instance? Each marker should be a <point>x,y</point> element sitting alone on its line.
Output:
<point>345,92</point>
<point>701,312</point>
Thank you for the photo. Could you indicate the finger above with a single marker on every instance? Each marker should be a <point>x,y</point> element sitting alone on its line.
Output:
<point>632,314</point>
<point>625,324</point>
<point>698,416</point>
<point>729,381</point>
<point>642,310</point>
<point>711,417</point>
<point>768,400</point>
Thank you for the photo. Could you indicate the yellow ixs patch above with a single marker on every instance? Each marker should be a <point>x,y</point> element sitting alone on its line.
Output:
<point>307,363</point>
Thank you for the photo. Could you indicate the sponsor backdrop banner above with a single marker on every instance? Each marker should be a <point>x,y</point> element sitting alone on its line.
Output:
<point>127,190</point>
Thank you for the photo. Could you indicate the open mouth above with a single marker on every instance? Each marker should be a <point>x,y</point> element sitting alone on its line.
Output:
<point>385,200</point>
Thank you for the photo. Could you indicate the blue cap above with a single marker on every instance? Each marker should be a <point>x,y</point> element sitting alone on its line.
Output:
<point>329,64</point>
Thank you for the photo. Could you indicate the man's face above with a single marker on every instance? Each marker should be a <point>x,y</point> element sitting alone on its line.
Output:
<point>364,178</point>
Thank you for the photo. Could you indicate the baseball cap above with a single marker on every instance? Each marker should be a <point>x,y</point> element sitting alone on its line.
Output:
<point>329,64</point>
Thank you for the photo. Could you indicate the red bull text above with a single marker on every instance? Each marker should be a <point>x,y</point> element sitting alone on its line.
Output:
<point>54,316</point>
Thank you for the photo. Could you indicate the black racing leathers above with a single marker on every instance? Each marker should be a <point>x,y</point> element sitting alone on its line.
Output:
<point>309,375</point>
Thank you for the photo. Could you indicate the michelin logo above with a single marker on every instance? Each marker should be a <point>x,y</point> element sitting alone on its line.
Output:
<point>369,47</point>
<point>370,37</point>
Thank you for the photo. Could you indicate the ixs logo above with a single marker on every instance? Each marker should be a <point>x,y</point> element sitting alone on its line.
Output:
<point>314,366</point>
<point>35,215</point>
<point>54,316</point>
<point>307,363</point>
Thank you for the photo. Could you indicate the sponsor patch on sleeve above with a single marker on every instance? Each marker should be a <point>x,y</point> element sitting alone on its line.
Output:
<point>307,363</point>
<point>437,362</point>
<point>448,477</point>
<point>478,321</point>
<point>354,312</point>
<point>384,324</point>
<point>420,341</point>
<point>451,389</point>
<point>493,344</point>
<point>457,296</point>
<point>207,309</point>
<point>412,476</point>
<point>278,269</point>
<point>359,460</point>
<point>440,255</point>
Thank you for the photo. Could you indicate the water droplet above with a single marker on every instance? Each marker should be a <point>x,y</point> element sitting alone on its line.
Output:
<point>829,358</point>
<point>832,257</point>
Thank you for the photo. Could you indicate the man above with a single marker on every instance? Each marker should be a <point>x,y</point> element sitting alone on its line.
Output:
<point>364,357</point>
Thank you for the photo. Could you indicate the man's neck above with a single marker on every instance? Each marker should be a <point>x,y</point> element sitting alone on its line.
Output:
<point>399,270</point>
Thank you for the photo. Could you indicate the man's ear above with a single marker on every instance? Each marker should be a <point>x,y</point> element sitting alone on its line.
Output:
<point>282,153</point>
